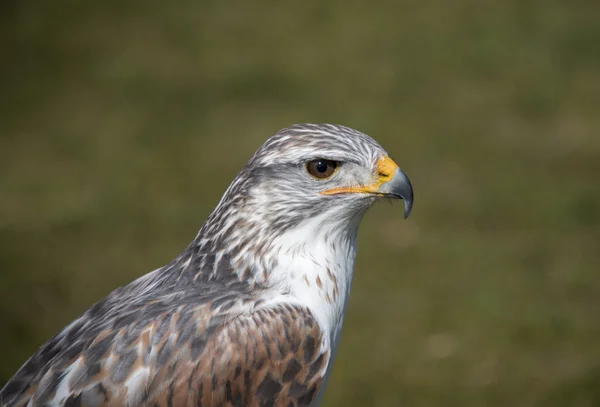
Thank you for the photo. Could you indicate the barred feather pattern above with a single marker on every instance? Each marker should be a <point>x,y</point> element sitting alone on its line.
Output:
<point>181,349</point>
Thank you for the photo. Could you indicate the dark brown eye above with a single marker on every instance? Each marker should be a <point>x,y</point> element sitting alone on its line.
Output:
<point>321,168</point>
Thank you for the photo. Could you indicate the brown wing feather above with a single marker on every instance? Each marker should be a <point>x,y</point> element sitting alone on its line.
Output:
<point>190,356</point>
<point>273,357</point>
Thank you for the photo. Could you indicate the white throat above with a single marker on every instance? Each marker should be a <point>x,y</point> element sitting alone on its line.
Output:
<point>315,267</point>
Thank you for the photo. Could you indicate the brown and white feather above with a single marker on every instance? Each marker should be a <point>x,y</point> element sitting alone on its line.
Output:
<point>249,314</point>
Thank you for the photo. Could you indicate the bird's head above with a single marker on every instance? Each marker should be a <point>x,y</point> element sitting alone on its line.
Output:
<point>320,175</point>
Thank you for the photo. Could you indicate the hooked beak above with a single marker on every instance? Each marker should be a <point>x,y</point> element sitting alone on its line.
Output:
<point>399,186</point>
<point>391,182</point>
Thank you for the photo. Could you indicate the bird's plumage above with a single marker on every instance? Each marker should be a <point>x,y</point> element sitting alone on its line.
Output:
<point>250,314</point>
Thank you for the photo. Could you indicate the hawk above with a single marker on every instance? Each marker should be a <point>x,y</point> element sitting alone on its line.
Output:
<point>251,312</point>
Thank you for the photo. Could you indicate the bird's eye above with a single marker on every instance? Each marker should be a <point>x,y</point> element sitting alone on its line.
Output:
<point>321,168</point>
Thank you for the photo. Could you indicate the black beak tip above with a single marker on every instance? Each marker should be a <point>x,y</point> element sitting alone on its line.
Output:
<point>408,203</point>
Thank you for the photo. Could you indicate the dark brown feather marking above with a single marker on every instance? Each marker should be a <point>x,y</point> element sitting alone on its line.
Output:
<point>272,374</point>
<point>271,357</point>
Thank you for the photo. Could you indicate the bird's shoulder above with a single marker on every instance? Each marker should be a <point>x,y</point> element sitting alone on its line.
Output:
<point>212,343</point>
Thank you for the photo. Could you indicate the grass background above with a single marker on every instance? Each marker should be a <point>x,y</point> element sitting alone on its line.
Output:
<point>122,122</point>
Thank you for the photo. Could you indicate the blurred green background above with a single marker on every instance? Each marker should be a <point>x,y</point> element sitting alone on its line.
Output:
<point>122,123</point>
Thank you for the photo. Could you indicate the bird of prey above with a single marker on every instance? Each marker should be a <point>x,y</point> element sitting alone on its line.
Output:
<point>251,312</point>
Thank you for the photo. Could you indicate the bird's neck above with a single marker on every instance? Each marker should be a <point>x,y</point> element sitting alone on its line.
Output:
<point>315,265</point>
<point>313,261</point>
